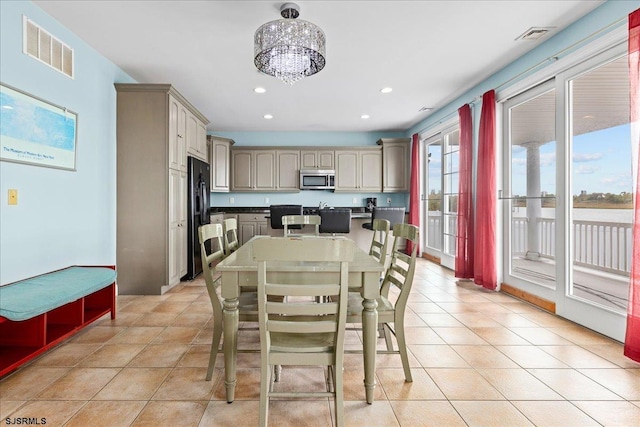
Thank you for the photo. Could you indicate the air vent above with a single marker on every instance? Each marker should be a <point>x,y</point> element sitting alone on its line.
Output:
<point>41,45</point>
<point>534,33</point>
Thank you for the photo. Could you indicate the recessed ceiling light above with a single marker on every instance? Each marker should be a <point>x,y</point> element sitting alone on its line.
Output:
<point>259,90</point>
<point>386,90</point>
<point>7,107</point>
<point>364,116</point>
<point>268,116</point>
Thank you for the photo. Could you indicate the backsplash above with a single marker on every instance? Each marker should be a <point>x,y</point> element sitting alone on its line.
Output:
<point>306,198</point>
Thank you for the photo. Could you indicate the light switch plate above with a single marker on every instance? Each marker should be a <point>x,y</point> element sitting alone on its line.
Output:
<point>13,197</point>
<point>231,200</point>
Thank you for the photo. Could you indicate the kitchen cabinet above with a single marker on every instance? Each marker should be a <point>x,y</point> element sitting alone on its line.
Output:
<point>196,137</point>
<point>396,164</point>
<point>250,225</point>
<point>317,159</point>
<point>219,160</point>
<point>151,177</point>
<point>177,225</point>
<point>253,170</point>
<point>177,134</point>
<point>359,170</point>
<point>288,170</point>
<point>216,218</point>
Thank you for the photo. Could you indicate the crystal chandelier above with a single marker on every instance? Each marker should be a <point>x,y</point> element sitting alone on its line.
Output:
<point>289,49</point>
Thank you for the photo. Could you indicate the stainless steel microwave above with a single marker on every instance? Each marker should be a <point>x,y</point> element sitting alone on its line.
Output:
<point>317,179</point>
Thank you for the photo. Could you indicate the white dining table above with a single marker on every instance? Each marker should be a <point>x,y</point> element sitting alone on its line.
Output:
<point>240,270</point>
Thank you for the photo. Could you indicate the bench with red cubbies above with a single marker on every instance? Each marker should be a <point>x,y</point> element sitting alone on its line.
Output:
<point>39,313</point>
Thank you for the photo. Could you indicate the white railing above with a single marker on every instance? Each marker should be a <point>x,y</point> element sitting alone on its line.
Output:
<point>605,246</point>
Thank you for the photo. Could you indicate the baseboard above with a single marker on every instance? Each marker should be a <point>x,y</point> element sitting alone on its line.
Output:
<point>431,258</point>
<point>544,304</point>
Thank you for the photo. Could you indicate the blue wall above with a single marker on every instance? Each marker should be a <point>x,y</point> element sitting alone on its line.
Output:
<point>62,217</point>
<point>307,198</point>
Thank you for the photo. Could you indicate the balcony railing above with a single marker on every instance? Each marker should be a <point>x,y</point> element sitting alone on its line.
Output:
<point>605,246</point>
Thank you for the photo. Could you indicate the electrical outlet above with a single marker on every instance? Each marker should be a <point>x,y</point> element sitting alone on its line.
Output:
<point>13,197</point>
<point>355,201</point>
<point>231,200</point>
<point>388,200</point>
<point>266,200</point>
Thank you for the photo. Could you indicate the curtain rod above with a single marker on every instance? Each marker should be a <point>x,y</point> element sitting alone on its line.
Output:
<point>552,58</point>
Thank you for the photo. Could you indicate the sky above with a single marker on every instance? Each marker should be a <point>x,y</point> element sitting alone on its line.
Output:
<point>601,163</point>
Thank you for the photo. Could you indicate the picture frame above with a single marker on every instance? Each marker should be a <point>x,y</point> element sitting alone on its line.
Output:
<point>36,132</point>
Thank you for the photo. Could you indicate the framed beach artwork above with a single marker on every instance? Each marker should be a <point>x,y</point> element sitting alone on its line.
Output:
<point>36,132</point>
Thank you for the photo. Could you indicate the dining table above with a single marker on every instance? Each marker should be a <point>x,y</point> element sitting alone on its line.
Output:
<point>239,270</point>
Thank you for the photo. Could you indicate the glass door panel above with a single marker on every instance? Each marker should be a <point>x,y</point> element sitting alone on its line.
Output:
<point>434,196</point>
<point>529,205</point>
<point>450,175</point>
<point>601,187</point>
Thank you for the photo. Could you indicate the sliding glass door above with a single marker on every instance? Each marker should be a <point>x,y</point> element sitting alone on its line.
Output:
<point>598,186</point>
<point>567,192</point>
<point>442,176</point>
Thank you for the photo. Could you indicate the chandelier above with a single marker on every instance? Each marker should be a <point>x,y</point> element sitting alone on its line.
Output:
<point>289,49</point>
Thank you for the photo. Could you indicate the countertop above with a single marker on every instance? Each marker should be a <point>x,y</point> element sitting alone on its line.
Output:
<point>356,212</point>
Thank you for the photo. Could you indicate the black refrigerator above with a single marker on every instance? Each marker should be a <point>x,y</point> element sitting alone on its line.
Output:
<point>197,212</point>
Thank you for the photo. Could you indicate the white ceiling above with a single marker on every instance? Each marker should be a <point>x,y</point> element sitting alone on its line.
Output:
<point>429,52</point>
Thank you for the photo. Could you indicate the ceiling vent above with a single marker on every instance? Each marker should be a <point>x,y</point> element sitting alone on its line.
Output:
<point>534,33</point>
<point>41,45</point>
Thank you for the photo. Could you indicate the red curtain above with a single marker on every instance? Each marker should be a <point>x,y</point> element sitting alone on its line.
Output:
<point>464,246</point>
<point>484,271</point>
<point>414,188</point>
<point>632,339</point>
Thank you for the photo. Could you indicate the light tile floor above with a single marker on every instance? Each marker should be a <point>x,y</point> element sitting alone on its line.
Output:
<point>478,358</point>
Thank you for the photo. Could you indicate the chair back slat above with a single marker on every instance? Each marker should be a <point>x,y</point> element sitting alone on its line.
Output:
<point>301,308</point>
<point>301,220</point>
<point>230,234</point>
<point>297,327</point>
<point>380,240</point>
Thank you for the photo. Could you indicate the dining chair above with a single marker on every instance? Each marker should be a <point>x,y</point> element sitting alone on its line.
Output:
<point>299,221</point>
<point>230,231</point>
<point>295,331</point>
<point>336,220</point>
<point>399,275</point>
<point>248,301</point>
<point>380,240</point>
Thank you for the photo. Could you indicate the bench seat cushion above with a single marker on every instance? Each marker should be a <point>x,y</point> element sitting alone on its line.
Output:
<point>31,297</point>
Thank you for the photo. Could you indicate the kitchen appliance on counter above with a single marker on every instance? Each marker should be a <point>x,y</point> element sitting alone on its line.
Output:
<point>317,179</point>
<point>197,212</point>
<point>371,203</point>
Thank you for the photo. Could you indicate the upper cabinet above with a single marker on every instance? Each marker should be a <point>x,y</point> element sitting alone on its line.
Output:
<point>253,170</point>
<point>288,171</point>
<point>317,159</point>
<point>366,169</point>
<point>196,137</point>
<point>220,149</point>
<point>359,170</point>
<point>395,164</point>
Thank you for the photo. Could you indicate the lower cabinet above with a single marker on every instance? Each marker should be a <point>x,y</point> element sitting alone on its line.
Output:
<point>250,225</point>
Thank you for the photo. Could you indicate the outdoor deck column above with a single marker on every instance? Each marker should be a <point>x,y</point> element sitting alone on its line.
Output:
<point>534,202</point>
